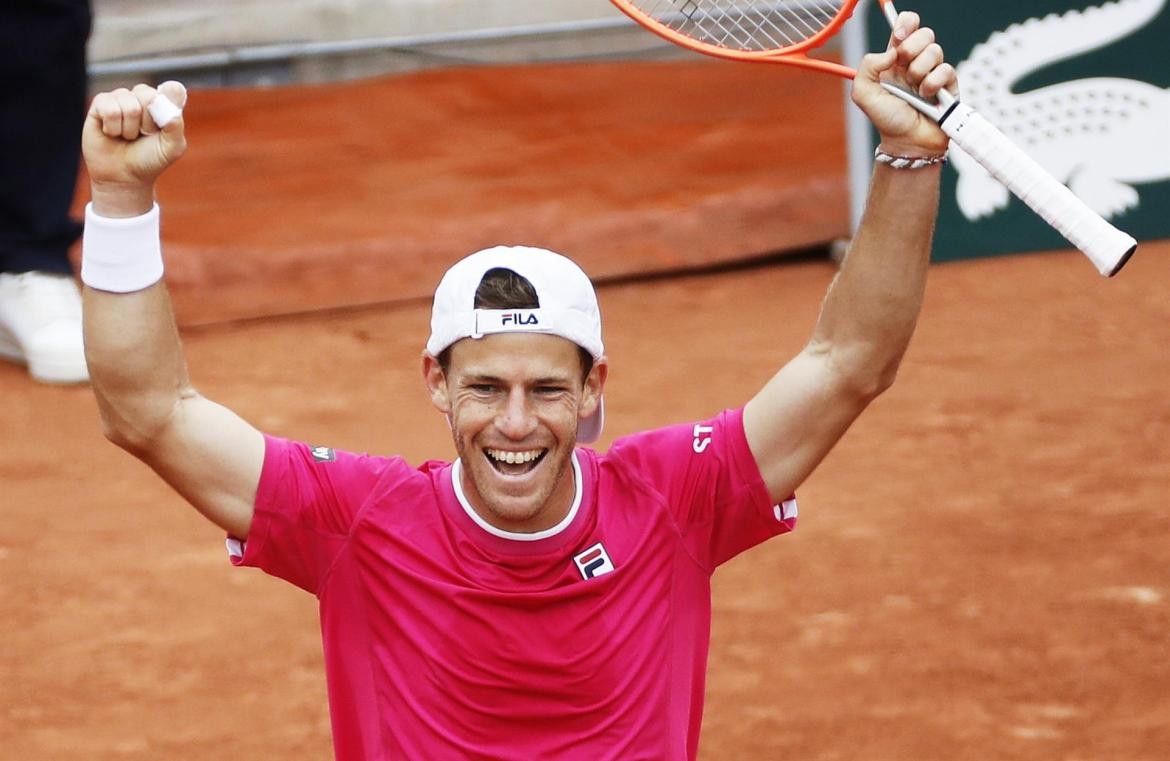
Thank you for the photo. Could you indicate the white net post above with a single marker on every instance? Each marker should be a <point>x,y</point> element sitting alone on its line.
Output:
<point>859,138</point>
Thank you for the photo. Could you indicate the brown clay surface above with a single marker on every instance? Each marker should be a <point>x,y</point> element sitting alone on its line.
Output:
<point>980,571</point>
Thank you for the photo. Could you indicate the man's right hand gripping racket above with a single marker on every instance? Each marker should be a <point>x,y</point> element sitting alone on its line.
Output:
<point>783,31</point>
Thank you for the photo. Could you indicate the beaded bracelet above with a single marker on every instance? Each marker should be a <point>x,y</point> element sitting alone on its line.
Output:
<point>907,162</point>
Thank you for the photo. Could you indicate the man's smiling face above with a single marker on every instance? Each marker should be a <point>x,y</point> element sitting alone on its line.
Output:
<point>515,401</point>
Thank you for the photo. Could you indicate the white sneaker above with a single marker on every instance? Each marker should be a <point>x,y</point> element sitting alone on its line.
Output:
<point>40,326</point>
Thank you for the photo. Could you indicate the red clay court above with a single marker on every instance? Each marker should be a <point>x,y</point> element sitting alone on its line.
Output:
<point>980,571</point>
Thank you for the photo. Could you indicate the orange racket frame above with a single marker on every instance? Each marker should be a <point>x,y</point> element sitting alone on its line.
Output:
<point>793,55</point>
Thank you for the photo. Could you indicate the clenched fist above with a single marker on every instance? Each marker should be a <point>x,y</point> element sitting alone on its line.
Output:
<point>125,151</point>
<point>914,60</point>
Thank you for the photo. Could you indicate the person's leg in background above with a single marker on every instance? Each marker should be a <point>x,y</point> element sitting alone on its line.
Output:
<point>42,107</point>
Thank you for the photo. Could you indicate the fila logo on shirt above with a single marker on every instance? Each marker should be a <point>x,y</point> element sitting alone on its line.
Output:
<point>323,454</point>
<point>702,438</point>
<point>519,318</point>
<point>593,562</point>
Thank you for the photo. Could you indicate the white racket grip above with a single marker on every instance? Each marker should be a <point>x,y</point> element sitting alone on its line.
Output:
<point>1106,246</point>
<point>163,111</point>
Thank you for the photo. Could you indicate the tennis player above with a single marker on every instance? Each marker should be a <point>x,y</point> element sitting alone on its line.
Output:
<point>533,599</point>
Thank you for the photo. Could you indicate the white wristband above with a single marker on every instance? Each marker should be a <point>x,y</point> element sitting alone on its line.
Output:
<point>121,255</point>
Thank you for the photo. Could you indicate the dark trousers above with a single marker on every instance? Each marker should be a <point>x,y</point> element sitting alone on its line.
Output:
<point>42,108</point>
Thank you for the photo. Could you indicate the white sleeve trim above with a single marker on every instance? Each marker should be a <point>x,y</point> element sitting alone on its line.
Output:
<point>785,511</point>
<point>235,547</point>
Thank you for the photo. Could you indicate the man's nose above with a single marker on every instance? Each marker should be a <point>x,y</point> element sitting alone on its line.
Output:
<point>516,420</point>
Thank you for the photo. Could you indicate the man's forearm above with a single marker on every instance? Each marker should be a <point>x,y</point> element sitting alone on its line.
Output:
<point>873,304</point>
<point>132,344</point>
<point>135,362</point>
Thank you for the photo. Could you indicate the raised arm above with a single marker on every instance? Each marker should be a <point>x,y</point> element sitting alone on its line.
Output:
<point>872,305</point>
<point>148,407</point>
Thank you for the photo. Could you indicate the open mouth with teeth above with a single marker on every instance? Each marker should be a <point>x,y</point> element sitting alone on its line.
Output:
<point>514,463</point>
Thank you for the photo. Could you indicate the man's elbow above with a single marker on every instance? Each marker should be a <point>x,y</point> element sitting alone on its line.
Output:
<point>883,381</point>
<point>138,434</point>
<point>126,437</point>
<point>867,381</point>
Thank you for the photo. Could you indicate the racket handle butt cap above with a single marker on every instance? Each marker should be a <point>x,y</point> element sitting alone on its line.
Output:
<point>1121,262</point>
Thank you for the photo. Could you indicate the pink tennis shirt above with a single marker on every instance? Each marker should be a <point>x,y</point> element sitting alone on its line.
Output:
<point>446,638</point>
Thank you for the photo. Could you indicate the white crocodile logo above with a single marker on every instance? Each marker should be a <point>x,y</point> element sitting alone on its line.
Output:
<point>1100,136</point>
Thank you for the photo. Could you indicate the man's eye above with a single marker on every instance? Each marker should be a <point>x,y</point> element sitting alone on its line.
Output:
<point>482,388</point>
<point>547,390</point>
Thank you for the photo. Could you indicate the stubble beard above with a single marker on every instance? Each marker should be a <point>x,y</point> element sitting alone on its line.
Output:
<point>512,509</point>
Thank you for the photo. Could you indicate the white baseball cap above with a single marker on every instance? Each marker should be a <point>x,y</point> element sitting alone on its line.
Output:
<point>568,307</point>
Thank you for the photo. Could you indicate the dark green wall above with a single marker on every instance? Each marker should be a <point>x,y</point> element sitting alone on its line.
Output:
<point>1144,55</point>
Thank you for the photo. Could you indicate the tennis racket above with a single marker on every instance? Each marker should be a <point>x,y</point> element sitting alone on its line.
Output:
<point>784,31</point>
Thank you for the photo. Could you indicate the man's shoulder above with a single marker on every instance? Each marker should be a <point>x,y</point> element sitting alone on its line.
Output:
<point>642,458</point>
<point>340,464</point>
<point>400,479</point>
<point>363,476</point>
<point>677,442</point>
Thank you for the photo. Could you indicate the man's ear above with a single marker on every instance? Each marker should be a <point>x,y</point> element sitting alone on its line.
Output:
<point>436,382</point>
<point>594,386</point>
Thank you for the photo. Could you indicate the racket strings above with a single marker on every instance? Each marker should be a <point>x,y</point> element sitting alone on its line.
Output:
<point>747,25</point>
